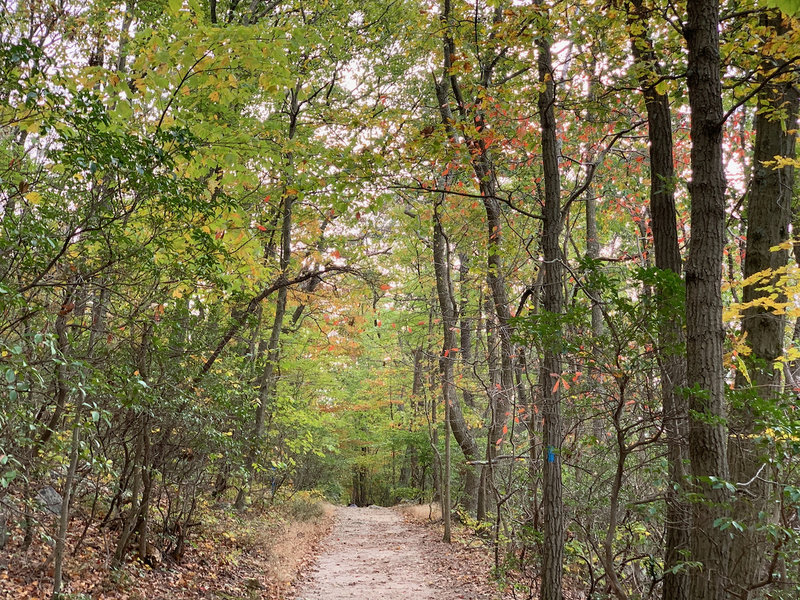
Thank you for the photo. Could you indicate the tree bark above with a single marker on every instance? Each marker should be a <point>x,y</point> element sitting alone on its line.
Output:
<point>704,330</point>
<point>552,302</point>
<point>768,219</point>
<point>670,335</point>
<point>444,292</point>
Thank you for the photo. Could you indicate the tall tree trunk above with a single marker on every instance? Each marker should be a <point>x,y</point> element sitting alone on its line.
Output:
<point>472,478</point>
<point>671,339</point>
<point>444,292</point>
<point>267,381</point>
<point>704,330</point>
<point>768,219</point>
<point>483,167</point>
<point>552,302</point>
<point>447,302</point>
<point>453,413</point>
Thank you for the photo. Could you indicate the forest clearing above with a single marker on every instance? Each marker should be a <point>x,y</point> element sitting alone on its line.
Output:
<point>277,277</point>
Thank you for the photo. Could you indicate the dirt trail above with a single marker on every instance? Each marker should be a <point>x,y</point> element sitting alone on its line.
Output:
<point>373,553</point>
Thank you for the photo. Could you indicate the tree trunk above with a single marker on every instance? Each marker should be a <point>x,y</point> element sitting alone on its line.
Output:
<point>552,302</point>
<point>704,330</point>
<point>453,414</point>
<point>671,339</point>
<point>63,520</point>
<point>267,381</point>
<point>768,219</point>
<point>444,292</point>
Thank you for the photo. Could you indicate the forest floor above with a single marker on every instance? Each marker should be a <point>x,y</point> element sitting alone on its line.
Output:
<point>257,555</point>
<point>382,553</point>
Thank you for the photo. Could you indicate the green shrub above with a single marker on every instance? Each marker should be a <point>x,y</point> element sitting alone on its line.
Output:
<point>305,506</point>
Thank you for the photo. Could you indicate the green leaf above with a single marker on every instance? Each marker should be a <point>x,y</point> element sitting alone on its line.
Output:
<point>124,109</point>
<point>790,7</point>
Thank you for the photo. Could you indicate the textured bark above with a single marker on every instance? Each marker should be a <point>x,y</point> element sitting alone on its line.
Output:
<point>768,219</point>
<point>704,330</point>
<point>552,302</point>
<point>665,240</point>
<point>444,292</point>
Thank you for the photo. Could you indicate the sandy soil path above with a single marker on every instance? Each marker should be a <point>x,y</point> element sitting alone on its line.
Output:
<point>372,553</point>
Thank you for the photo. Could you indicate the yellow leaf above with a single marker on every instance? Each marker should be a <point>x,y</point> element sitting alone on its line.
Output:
<point>33,197</point>
<point>214,96</point>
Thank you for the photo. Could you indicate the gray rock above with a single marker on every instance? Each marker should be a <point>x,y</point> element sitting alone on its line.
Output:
<point>50,500</point>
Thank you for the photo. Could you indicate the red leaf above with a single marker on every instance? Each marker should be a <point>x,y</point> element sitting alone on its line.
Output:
<point>386,286</point>
<point>260,227</point>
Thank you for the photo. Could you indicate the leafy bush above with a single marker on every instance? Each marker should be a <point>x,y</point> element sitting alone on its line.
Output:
<point>305,506</point>
<point>406,494</point>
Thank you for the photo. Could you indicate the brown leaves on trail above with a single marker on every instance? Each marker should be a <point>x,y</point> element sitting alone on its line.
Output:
<point>254,556</point>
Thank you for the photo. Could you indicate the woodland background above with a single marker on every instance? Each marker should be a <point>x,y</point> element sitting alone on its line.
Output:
<point>250,249</point>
